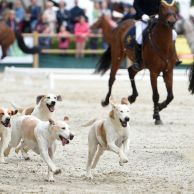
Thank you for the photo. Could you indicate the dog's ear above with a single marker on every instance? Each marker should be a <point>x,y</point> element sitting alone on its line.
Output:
<point>13,112</point>
<point>38,98</point>
<point>59,98</point>
<point>112,101</point>
<point>51,122</point>
<point>111,114</point>
<point>66,119</point>
<point>124,101</point>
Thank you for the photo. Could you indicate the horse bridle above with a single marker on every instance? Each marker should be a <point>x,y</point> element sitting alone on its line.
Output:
<point>155,47</point>
<point>164,18</point>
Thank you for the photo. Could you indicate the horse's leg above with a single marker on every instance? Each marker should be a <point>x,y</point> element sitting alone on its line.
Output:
<point>134,95</point>
<point>113,72</point>
<point>168,79</point>
<point>116,62</point>
<point>155,97</point>
<point>4,51</point>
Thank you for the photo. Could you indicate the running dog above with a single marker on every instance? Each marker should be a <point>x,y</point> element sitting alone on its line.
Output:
<point>110,134</point>
<point>44,109</point>
<point>5,131</point>
<point>40,136</point>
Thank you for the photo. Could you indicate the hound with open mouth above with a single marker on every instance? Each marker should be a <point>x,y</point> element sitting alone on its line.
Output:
<point>111,134</point>
<point>44,109</point>
<point>40,137</point>
<point>5,131</point>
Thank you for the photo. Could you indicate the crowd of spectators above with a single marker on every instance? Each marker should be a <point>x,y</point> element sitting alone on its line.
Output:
<point>49,20</point>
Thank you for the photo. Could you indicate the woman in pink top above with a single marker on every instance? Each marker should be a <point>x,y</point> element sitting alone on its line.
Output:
<point>81,31</point>
<point>64,37</point>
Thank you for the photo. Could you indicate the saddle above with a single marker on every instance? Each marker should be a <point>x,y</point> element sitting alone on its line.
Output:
<point>130,41</point>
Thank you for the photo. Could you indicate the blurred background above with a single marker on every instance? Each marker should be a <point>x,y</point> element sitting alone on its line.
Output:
<point>54,26</point>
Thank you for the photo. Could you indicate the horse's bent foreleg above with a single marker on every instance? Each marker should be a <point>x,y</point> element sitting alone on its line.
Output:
<point>155,98</point>
<point>134,95</point>
<point>168,81</point>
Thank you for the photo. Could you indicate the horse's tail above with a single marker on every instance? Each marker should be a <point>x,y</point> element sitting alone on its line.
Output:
<point>191,79</point>
<point>105,62</point>
<point>23,46</point>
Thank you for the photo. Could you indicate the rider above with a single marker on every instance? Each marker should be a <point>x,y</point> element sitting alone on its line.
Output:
<point>145,9</point>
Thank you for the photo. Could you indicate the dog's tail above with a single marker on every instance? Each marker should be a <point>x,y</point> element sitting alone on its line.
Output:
<point>89,123</point>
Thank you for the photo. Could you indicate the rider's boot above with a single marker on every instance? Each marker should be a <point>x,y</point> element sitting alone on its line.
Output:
<point>138,57</point>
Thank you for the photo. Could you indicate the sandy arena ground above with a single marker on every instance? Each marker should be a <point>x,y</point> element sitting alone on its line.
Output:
<point>156,158</point>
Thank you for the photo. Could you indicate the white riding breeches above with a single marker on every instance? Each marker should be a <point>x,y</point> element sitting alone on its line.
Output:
<point>141,26</point>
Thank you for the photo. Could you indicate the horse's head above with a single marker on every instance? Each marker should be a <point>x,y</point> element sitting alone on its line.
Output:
<point>167,13</point>
<point>99,23</point>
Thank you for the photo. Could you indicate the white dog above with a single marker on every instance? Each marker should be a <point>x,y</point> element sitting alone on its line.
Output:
<point>44,109</point>
<point>40,136</point>
<point>5,131</point>
<point>111,134</point>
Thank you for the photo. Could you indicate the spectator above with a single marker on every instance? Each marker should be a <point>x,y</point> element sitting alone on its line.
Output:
<point>129,12</point>
<point>104,8</point>
<point>76,12</point>
<point>63,16</point>
<point>81,32</point>
<point>20,14</point>
<point>43,27</point>
<point>96,12</point>
<point>51,16</point>
<point>64,37</point>
<point>34,11</point>
<point>11,20</point>
<point>4,9</point>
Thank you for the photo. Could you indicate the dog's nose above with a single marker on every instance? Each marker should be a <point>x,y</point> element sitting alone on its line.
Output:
<point>53,103</point>
<point>127,119</point>
<point>7,120</point>
<point>71,136</point>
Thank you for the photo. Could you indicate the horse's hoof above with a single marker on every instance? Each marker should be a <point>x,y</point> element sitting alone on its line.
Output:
<point>158,122</point>
<point>104,103</point>
<point>131,99</point>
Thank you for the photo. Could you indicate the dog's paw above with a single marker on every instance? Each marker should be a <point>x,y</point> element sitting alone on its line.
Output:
<point>124,160</point>
<point>57,171</point>
<point>121,163</point>
<point>89,176</point>
<point>27,158</point>
<point>2,160</point>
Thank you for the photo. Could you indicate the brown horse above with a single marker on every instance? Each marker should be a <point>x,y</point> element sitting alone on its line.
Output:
<point>7,38</point>
<point>107,29</point>
<point>158,55</point>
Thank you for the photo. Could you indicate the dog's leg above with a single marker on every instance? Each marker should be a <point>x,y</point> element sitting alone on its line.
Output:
<point>44,153</point>
<point>126,145</point>
<point>51,152</point>
<point>97,157</point>
<point>15,140</point>
<point>24,149</point>
<point>92,147</point>
<point>6,136</point>
<point>119,151</point>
